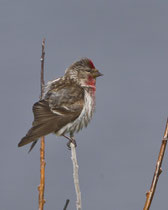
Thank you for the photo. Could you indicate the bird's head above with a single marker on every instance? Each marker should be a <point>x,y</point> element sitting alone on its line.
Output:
<point>84,72</point>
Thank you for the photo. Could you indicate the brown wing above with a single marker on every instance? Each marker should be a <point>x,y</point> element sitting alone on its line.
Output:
<point>59,108</point>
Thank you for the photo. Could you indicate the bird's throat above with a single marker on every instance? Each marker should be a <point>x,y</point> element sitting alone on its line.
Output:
<point>91,82</point>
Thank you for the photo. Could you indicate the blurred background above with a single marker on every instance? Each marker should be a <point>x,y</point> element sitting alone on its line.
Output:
<point>128,42</point>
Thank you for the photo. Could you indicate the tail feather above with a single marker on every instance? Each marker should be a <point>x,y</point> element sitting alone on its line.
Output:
<point>25,140</point>
<point>32,146</point>
<point>36,132</point>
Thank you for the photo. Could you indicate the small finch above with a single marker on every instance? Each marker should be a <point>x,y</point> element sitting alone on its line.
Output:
<point>67,105</point>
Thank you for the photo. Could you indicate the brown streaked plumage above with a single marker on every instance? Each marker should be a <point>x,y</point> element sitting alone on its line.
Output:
<point>67,105</point>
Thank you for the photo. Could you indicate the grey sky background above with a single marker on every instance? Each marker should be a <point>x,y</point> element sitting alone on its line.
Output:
<point>128,42</point>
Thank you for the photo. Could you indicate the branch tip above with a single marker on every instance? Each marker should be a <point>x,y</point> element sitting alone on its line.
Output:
<point>166,131</point>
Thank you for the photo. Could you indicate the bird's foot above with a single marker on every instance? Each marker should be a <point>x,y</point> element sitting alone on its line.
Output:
<point>71,140</point>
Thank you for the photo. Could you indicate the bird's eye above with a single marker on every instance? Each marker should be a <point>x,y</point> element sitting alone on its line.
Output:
<point>88,70</point>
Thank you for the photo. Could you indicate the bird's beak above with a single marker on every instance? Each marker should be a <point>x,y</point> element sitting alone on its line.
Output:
<point>96,73</point>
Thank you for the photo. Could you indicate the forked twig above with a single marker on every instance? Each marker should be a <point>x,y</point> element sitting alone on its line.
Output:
<point>41,187</point>
<point>158,170</point>
<point>76,177</point>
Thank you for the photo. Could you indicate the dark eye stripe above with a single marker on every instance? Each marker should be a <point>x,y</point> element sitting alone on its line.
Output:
<point>89,70</point>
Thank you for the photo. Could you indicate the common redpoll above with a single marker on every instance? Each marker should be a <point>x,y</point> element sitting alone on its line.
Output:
<point>67,105</point>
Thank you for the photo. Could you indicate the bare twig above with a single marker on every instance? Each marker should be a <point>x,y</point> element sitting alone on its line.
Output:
<point>42,67</point>
<point>66,204</point>
<point>42,148</point>
<point>158,170</point>
<point>76,177</point>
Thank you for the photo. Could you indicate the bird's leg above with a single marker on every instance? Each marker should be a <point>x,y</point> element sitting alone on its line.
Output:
<point>71,140</point>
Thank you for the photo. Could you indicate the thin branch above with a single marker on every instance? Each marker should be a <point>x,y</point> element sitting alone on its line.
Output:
<point>42,68</point>
<point>76,177</point>
<point>41,187</point>
<point>158,170</point>
<point>66,204</point>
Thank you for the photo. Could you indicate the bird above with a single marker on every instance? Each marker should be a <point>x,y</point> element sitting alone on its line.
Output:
<point>67,105</point>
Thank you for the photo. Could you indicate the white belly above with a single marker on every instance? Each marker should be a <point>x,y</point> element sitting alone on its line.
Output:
<point>83,119</point>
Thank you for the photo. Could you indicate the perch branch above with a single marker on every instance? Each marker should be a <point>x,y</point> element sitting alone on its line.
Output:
<point>41,187</point>
<point>76,177</point>
<point>158,170</point>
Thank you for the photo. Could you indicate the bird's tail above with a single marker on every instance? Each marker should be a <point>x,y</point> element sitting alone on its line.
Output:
<point>35,133</point>
<point>31,136</point>
<point>44,123</point>
<point>32,146</point>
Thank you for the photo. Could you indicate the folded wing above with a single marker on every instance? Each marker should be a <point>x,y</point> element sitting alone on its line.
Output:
<point>59,107</point>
